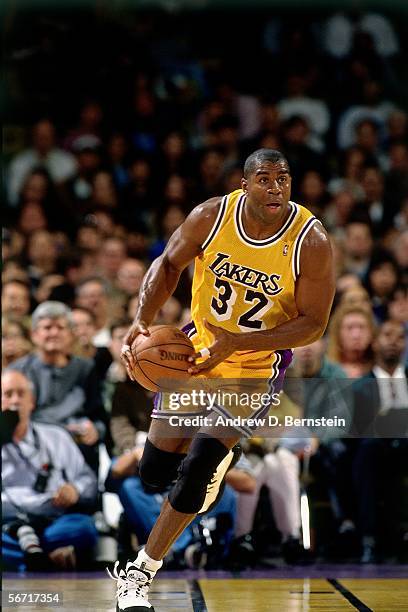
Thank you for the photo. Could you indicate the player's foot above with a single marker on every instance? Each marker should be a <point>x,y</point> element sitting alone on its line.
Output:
<point>132,587</point>
<point>217,484</point>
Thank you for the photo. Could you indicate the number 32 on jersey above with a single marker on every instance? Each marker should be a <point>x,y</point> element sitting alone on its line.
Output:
<point>222,306</point>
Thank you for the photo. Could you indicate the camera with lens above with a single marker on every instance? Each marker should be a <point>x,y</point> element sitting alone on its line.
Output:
<point>43,476</point>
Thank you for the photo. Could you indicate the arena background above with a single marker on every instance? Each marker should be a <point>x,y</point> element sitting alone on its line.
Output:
<point>218,77</point>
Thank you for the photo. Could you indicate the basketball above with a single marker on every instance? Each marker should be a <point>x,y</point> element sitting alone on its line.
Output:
<point>162,355</point>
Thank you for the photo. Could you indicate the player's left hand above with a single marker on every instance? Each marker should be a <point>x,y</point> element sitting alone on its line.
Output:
<point>225,343</point>
<point>66,496</point>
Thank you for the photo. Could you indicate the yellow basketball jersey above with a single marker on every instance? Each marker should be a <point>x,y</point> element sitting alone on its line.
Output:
<point>243,284</point>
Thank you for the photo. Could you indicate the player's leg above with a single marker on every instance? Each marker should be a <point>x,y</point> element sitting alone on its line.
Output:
<point>189,492</point>
<point>186,499</point>
<point>162,455</point>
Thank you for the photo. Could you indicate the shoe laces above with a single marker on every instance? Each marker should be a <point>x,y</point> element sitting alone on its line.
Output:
<point>131,580</point>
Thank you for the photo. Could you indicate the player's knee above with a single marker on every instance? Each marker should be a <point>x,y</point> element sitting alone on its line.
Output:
<point>196,471</point>
<point>158,468</point>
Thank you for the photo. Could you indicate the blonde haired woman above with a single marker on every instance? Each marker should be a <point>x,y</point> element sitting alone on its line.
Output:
<point>351,333</point>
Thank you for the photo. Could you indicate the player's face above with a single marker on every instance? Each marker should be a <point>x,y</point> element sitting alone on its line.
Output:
<point>268,190</point>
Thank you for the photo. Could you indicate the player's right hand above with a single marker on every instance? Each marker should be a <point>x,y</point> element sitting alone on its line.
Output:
<point>137,328</point>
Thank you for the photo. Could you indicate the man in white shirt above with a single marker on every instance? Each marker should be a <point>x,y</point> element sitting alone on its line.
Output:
<point>389,371</point>
<point>381,416</point>
<point>47,488</point>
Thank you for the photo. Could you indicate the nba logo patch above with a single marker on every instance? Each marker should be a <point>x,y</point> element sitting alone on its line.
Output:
<point>285,249</point>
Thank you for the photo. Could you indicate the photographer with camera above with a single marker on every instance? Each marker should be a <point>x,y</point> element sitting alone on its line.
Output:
<point>47,488</point>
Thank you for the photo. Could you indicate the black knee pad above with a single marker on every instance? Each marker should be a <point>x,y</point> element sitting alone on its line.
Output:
<point>196,471</point>
<point>158,468</point>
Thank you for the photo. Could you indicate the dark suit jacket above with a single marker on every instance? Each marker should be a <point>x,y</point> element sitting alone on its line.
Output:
<point>367,420</point>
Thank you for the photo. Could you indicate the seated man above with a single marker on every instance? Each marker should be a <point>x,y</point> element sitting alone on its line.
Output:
<point>47,487</point>
<point>67,388</point>
<point>378,457</point>
<point>142,507</point>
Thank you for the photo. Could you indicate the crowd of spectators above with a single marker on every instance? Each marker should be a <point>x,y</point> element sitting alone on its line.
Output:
<point>165,124</point>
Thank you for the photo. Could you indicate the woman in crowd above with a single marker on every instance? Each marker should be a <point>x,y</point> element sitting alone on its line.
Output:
<point>15,342</point>
<point>351,334</point>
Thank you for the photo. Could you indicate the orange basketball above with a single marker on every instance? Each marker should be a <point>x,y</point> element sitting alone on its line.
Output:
<point>162,355</point>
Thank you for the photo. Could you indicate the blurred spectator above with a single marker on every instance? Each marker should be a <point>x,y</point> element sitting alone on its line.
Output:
<point>130,276</point>
<point>13,243</point>
<point>117,151</point>
<point>47,488</point>
<point>127,402</point>
<point>351,334</point>
<point>398,311</point>
<point>68,268</point>
<point>210,168</point>
<point>312,192</point>
<point>369,141</point>
<point>44,153</point>
<point>90,120</point>
<point>350,170</point>
<point>242,106</point>
<point>48,283</point>
<point>319,397</point>
<point>381,409</point>
<point>173,157</point>
<point>168,221</point>
<point>397,127</point>
<point>83,327</point>
<point>42,255</point>
<point>39,204</point>
<point>358,246</point>
<point>139,195</point>
<point>226,139</point>
<point>92,293</point>
<point>300,155</point>
<point>104,194</point>
<point>356,296</point>
<point>325,392</point>
<point>15,300</point>
<point>132,307</point>
<point>396,183</point>
<point>372,182</point>
<point>345,282</point>
<point>176,192</point>
<point>338,211</point>
<point>400,251</point>
<point>279,472</point>
<point>383,276</point>
<point>231,179</point>
<point>111,256</point>
<point>374,112</point>
<point>15,342</point>
<point>77,190</point>
<point>14,270</point>
<point>36,187</point>
<point>66,386</point>
<point>89,236</point>
<point>169,313</point>
<point>300,104</point>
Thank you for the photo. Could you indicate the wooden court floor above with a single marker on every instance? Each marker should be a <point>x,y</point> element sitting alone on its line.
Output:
<point>231,595</point>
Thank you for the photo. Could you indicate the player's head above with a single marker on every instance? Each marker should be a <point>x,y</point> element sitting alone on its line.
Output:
<point>267,183</point>
<point>258,157</point>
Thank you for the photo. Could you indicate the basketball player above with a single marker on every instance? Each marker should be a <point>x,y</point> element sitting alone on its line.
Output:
<point>263,282</point>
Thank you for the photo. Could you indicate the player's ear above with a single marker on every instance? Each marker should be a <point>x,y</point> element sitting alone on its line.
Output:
<point>244,184</point>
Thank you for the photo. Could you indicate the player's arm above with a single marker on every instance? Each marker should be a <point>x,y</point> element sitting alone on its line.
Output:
<point>314,294</point>
<point>163,275</point>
